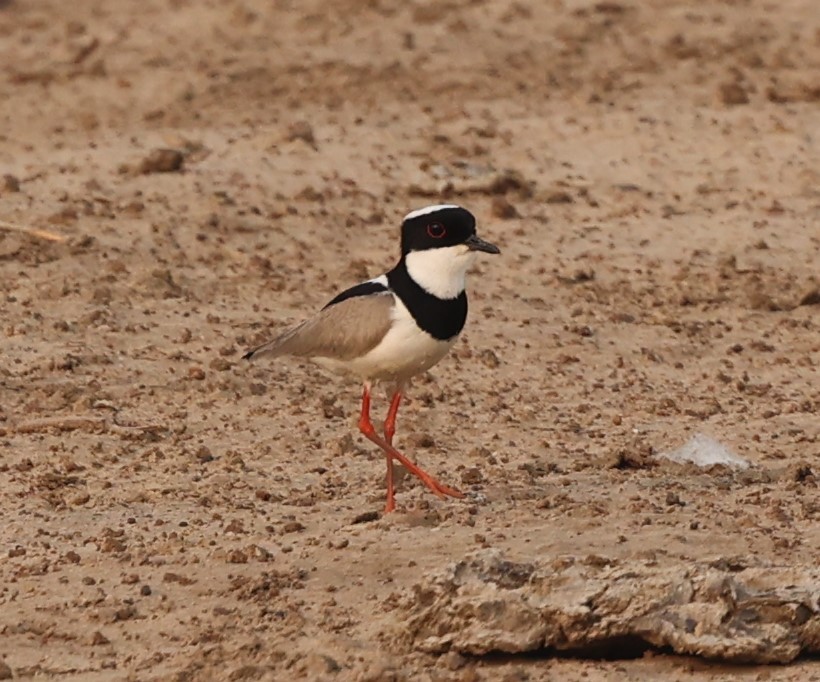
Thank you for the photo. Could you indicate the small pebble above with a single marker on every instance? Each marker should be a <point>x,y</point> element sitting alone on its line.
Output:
<point>302,130</point>
<point>10,184</point>
<point>503,209</point>
<point>162,161</point>
<point>99,639</point>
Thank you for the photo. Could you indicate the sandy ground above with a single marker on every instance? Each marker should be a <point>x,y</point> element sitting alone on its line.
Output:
<point>651,171</point>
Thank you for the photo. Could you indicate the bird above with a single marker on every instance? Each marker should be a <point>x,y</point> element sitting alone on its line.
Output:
<point>394,327</point>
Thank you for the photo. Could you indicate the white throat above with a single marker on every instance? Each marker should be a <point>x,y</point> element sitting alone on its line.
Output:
<point>442,271</point>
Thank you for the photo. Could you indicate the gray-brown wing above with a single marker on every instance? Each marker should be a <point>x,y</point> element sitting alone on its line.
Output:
<point>342,331</point>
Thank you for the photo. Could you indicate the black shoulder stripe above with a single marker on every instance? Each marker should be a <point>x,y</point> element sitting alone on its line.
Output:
<point>363,289</point>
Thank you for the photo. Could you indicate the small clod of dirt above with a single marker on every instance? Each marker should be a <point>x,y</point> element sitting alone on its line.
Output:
<point>162,161</point>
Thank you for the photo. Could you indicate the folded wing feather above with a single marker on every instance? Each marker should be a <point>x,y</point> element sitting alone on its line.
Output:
<point>342,331</point>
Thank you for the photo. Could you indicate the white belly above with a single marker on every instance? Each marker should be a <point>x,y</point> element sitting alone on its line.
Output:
<point>406,350</point>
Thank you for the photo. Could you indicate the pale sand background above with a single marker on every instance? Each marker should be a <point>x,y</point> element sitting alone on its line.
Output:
<point>188,516</point>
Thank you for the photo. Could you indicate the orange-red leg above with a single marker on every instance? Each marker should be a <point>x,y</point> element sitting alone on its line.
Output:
<point>389,432</point>
<point>390,422</point>
<point>366,427</point>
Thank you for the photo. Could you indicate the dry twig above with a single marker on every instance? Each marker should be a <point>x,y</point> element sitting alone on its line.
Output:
<point>32,231</point>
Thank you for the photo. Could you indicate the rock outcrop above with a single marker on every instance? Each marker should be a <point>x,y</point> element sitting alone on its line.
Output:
<point>727,609</point>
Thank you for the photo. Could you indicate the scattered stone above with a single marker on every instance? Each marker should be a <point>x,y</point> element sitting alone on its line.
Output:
<point>472,476</point>
<point>802,473</point>
<point>331,408</point>
<point>583,330</point>
<point>177,578</point>
<point>219,364</point>
<point>733,94</point>
<point>162,161</point>
<point>235,526</point>
<point>784,92</point>
<point>415,190</point>
<point>102,295</point>
<point>577,277</point>
<point>503,209</point>
<point>111,545</point>
<point>636,455</point>
<point>511,181</point>
<point>292,527</point>
<point>481,452</point>
<point>204,455</point>
<point>811,297</point>
<point>428,13</point>
<point>762,300</point>
<point>366,517</point>
<point>559,197</point>
<point>310,193</point>
<point>85,48</point>
<point>99,639</point>
<point>160,283</point>
<point>64,216</point>
<point>80,499</point>
<point>124,613</point>
<point>260,553</point>
<point>10,184</point>
<point>302,130</point>
<point>489,358</point>
<point>422,440</point>
<point>610,8</point>
<point>196,373</point>
<point>237,556</point>
<point>776,208</point>
<point>316,666</point>
<point>257,388</point>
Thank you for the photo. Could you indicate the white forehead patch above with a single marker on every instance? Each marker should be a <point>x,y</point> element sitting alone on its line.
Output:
<point>427,210</point>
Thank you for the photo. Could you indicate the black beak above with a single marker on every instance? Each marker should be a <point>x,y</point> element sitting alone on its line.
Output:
<point>476,243</point>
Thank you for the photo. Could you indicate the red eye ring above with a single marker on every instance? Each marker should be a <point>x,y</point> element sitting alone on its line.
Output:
<point>436,230</point>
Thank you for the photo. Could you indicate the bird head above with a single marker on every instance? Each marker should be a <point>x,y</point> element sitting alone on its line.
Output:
<point>438,244</point>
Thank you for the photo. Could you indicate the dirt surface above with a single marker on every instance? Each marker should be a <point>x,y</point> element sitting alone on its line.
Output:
<point>201,174</point>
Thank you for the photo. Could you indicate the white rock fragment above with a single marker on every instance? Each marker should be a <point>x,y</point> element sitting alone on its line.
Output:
<point>704,451</point>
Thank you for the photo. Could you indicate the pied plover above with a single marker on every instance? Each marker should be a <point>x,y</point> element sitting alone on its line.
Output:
<point>398,325</point>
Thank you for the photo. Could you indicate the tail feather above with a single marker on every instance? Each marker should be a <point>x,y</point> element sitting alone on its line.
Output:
<point>277,346</point>
<point>265,349</point>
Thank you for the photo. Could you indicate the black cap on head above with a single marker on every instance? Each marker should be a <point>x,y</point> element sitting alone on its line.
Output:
<point>434,227</point>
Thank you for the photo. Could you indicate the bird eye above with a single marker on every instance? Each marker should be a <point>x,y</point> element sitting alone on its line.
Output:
<point>436,230</point>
